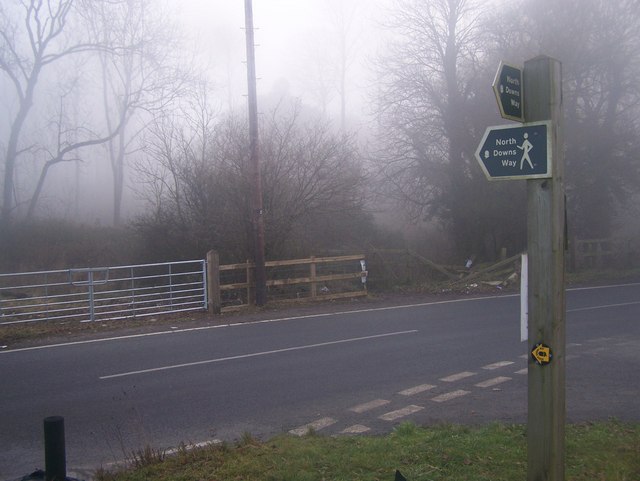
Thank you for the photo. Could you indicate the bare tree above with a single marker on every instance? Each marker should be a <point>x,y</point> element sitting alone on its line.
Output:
<point>426,82</point>
<point>318,72</point>
<point>67,143</point>
<point>598,43</point>
<point>312,178</point>
<point>33,37</point>
<point>143,79</point>
<point>176,178</point>
<point>311,181</point>
<point>329,52</point>
<point>343,19</point>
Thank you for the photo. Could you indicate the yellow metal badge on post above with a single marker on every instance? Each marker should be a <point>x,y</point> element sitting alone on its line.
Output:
<point>542,354</point>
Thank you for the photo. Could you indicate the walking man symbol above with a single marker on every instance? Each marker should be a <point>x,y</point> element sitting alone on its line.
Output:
<point>526,148</point>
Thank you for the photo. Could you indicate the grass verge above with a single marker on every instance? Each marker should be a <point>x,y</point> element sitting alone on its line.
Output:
<point>599,451</point>
<point>15,334</point>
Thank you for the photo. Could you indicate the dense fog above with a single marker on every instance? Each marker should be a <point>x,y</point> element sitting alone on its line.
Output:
<point>130,116</point>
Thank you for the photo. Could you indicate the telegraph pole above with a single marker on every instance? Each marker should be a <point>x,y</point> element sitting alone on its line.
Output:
<point>254,160</point>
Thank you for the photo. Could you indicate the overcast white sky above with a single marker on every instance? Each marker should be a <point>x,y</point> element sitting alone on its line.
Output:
<point>290,34</point>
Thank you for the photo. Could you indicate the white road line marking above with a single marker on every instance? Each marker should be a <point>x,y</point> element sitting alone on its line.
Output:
<point>574,344</point>
<point>255,354</point>
<point>605,306</point>
<point>601,339</point>
<point>524,356</point>
<point>522,371</point>
<point>458,376</point>
<point>315,425</point>
<point>493,382</point>
<point>569,357</point>
<point>295,318</point>
<point>190,447</point>
<point>450,395</point>
<point>416,389</point>
<point>355,429</point>
<point>168,452</point>
<point>631,284</point>
<point>597,350</point>
<point>263,321</point>
<point>360,408</point>
<point>497,365</point>
<point>400,413</point>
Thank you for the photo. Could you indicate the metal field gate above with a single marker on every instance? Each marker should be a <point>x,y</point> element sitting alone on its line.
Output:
<point>93,294</point>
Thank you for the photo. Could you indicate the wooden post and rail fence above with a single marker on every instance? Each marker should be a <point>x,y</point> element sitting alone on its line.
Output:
<point>602,253</point>
<point>231,286</point>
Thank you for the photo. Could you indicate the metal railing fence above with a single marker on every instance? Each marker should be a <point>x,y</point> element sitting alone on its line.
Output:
<point>92,294</point>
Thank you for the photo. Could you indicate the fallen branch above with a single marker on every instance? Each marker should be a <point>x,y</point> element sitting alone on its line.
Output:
<point>475,275</point>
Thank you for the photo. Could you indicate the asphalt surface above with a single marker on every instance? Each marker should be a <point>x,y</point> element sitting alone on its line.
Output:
<point>352,372</point>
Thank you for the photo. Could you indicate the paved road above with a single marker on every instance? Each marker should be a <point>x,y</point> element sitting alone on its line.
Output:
<point>361,371</point>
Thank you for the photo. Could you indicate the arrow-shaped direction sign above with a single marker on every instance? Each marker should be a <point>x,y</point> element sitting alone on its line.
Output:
<point>516,152</point>
<point>507,86</point>
<point>542,354</point>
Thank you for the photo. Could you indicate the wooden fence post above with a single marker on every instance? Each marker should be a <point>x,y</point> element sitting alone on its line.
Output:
<point>251,284</point>
<point>314,285</point>
<point>213,282</point>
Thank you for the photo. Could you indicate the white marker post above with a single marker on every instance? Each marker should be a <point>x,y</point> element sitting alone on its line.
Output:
<point>524,297</point>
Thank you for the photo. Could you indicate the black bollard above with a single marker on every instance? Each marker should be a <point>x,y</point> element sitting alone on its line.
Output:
<point>55,459</point>
<point>399,476</point>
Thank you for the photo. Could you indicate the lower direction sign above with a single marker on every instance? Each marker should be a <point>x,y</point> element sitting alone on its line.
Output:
<point>524,152</point>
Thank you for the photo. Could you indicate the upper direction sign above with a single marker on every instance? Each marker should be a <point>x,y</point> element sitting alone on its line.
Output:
<point>507,152</point>
<point>507,86</point>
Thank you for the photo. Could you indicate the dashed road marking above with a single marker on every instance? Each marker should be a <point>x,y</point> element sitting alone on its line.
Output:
<point>497,365</point>
<point>450,395</point>
<point>355,429</point>
<point>524,356</point>
<point>458,376</point>
<point>360,408</point>
<point>400,413</point>
<point>522,371</point>
<point>597,350</point>
<point>493,382</point>
<point>416,389</point>
<point>601,339</point>
<point>315,425</point>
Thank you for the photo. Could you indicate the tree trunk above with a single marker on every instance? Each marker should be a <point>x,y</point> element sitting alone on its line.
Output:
<point>12,147</point>
<point>36,194</point>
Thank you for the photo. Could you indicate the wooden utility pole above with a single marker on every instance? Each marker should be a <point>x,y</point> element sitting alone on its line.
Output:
<point>547,307</point>
<point>256,177</point>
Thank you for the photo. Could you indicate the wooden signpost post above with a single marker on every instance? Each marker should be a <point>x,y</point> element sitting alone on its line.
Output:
<point>547,305</point>
<point>515,153</point>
